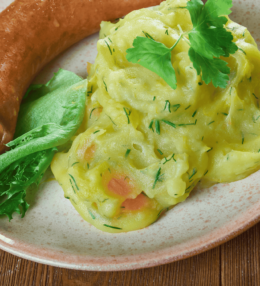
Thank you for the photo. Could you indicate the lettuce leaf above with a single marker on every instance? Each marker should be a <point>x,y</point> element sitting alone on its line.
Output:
<point>49,116</point>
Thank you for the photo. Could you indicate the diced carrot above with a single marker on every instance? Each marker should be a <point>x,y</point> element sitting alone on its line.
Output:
<point>89,153</point>
<point>119,186</point>
<point>135,204</point>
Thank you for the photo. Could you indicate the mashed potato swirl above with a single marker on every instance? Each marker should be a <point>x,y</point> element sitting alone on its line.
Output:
<point>143,146</point>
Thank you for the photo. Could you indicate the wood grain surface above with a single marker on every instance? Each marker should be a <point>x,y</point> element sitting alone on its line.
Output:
<point>234,263</point>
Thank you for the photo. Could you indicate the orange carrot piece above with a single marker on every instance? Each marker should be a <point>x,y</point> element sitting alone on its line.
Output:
<point>119,186</point>
<point>135,204</point>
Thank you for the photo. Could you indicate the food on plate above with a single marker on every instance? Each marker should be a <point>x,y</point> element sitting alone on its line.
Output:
<point>34,32</point>
<point>173,99</point>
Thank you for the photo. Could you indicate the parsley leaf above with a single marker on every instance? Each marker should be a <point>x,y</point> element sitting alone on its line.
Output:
<point>209,40</point>
<point>154,56</point>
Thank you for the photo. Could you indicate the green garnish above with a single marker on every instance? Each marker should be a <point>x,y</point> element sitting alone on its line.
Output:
<point>211,122</point>
<point>169,123</point>
<point>105,85</point>
<point>127,152</point>
<point>224,113</point>
<point>209,40</point>
<point>154,98</point>
<point>210,149</point>
<point>96,131</point>
<point>187,124</point>
<point>160,152</point>
<point>91,214</point>
<point>242,51</point>
<point>108,47</point>
<point>127,114</point>
<point>91,91</point>
<point>166,32</point>
<point>93,110</point>
<point>158,177</point>
<point>167,105</point>
<point>111,119</point>
<point>151,125</point>
<point>72,187</point>
<point>157,126</point>
<point>148,36</point>
<point>200,83</point>
<point>194,113</point>
<point>176,107</point>
<point>111,226</point>
<point>172,157</point>
<point>187,107</point>
<point>110,40</point>
<point>74,164</point>
<point>88,165</point>
<point>194,172</point>
<point>206,173</point>
<point>255,96</point>
<point>67,198</point>
<point>74,181</point>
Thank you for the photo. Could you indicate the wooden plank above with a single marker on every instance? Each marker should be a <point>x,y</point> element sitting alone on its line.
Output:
<point>202,269</point>
<point>240,259</point>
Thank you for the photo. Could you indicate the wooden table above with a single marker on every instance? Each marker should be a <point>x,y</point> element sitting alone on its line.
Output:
<point>234,263</point>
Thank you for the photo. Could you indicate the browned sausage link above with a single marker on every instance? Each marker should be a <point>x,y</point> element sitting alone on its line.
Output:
<point>33,32</point>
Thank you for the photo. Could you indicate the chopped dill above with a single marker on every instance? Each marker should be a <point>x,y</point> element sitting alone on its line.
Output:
<point>172,157</point>
<point>206,173</point>
<point>158,177</point>
<point>176,107</point>
<point>250,79</point>
<point>111,119</point>
<point>242,51</point>
<point>93,110</point>
<point>160,152</point>
<point>169,123</point>
<point>211,122</point>
<point>194,113</point>
<point>157,126</point>
<point>67,198</point>
<point>187,124</point>
<point>117,28</point>
<point>108,47</point>
<point>167,105</point>
<point>105,85</point>
<point>90,91</point>
<point>154,98</point>
<point>74,164</point>
<point>200,83</point>
<point>91,214</point>
<point>127,114</point>
<point>72,187</point>
<point>88,165</point>
<point>148,36</point>
<point>166,32</point>
<point>74,181</point>
<point>127,152</point>
<point>194,172</point>
<point>255,96</point>
<point>210,149</point>
<point>151,125</point>
<point>187,107</point>
<point>224,113</point>
<point>110,40</point>
<point>96,131</point>
<point>111,226</point>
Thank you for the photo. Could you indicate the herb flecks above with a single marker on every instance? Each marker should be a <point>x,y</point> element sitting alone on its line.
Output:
<point>167,105</point>
<point>167,160</point>
<point>127,113</point>
<point>108,47</point>
<point>160,152</point>
<point>74,181</point>
<point>114,227</point>
<point>157,126</point>
<point>127,152</point>
<point>96,131</point>
<point>91,214</point>
<point>158,177</point>
<point>105,85</point>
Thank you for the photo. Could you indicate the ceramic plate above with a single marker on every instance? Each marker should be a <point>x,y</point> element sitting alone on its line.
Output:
<point>52,232</point>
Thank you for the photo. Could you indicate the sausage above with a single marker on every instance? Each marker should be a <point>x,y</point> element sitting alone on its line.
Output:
<point>33,32</point>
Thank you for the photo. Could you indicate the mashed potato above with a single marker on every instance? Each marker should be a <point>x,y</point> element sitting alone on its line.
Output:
<point>144,146</point>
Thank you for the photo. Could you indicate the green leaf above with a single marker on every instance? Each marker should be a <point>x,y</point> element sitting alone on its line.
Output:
<point>17,177</point>
<point>49,116</point>
<point>215,70</point>
<point>154,56</point>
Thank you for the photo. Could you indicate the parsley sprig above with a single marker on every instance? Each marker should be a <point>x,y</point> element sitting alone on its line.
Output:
<point>208,40</point>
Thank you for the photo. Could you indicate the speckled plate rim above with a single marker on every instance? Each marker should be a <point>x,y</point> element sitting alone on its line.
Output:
<point>146,260</point>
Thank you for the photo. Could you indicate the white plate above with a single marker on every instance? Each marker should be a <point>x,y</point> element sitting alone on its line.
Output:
<point>52,232</point>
